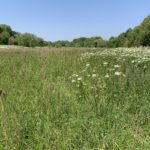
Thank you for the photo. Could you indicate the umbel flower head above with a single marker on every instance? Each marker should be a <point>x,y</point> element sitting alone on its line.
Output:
<point>117,73</point>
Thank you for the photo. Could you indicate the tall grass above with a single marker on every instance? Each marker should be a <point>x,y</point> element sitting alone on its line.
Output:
<point>74,100</point>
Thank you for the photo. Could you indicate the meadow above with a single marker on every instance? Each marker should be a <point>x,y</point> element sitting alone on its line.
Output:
<point>74,99</point>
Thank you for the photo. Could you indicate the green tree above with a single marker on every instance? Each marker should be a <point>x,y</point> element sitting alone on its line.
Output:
<point>4,37</point>
<point>29,40</point>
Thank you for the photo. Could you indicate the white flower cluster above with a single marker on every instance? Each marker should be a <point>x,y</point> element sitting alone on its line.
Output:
<point>109,63</point>
<point>140,54</point>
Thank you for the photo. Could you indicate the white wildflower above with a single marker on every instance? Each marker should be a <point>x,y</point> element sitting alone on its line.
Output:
<point>107,76</point>
<point>133,61</point>
<point>87,65</point>
<point>73,81</point>
<point>94,75</point>
<point>77,76</point>
<point>79,79</point>
<point>105,63</point>
<point>118,73</point>
<point>116,66</point>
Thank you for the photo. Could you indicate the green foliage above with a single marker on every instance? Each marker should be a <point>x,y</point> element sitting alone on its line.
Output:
<point>5,28</point>
<point>136,37</point>
<point>5,33</point>
<point>61,44</point>
<point>82,42</point>
<point>29,40</point>
<point>9,37</point>
<point>88,42</point>
<point>139,36</point>
<point>4,37</point>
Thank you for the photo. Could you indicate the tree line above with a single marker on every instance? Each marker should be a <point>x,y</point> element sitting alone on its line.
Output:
<point>138,36</point>
<point>10,37</point>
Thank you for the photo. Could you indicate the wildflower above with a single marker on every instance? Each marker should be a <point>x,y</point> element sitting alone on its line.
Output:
<point>73,81</point>
<point>116,66</point>
<point>106,76</point>
<point>77,76</point>
<point>118,73</point>
<point>105,63</point>
<point>133,61</point>
<point>87,65</point>
<point>94,75</point>
<point>79,79</point>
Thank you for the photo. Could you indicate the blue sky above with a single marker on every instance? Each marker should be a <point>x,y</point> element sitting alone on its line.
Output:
<point>68,19</point>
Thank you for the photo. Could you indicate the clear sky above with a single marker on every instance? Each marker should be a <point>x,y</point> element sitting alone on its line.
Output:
<point>68,19</point>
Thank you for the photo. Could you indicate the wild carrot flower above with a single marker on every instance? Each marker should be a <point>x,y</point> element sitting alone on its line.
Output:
<point>118,73</point>
<point>105,63</point>
<point>87,65</point>
<point>116,66</point>
<point>94,75</point>
<point>107,76</point>
<point>73,81</point>
<point>79,79</point>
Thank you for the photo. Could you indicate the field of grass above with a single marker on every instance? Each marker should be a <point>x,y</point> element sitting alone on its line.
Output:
<point>75,99</point>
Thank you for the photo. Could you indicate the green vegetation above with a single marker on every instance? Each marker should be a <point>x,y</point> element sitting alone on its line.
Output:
<point>75,99</point>
<point>139,36</point>
<point>82,42</point>
<point>9,37</point>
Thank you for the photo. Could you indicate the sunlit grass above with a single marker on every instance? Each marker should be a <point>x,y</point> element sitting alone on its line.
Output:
<point>57,99</point>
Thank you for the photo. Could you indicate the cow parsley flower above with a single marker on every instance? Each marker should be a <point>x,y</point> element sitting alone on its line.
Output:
<point>107,76</point>
<point>118,73</point>
<point>73,81</point>
<point>116,66</point>
<point>133,61</point>
<point>87,65</point>
<point>79,79</point>
<point>105,63</point>
<point>94,75</point>
<point>77,76</point>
